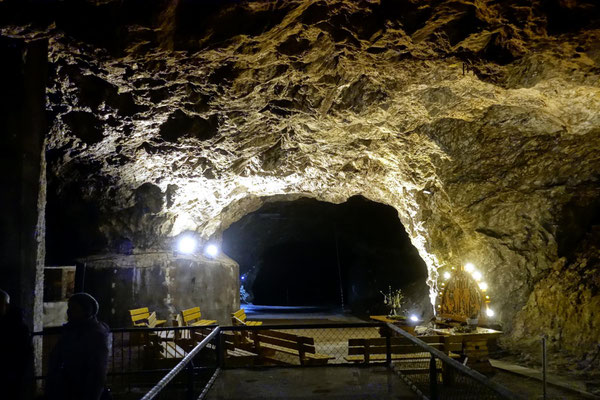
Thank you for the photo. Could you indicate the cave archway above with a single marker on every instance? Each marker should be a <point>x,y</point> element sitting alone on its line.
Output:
<point>306,252</point>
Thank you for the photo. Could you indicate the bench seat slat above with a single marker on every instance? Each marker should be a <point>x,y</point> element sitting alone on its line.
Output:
<point>394,349</point>
<point>288,336</point>
<point>286,344</point>
<point>394,341</point>
<point>203,322</point>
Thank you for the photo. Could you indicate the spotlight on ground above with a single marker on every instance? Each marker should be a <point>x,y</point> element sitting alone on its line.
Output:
<point>186,245</point>
<point>489,312</point>
<point>211,250</point>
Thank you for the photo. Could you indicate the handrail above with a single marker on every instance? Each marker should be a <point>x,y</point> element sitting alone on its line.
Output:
<point>59,329</point>
<point>501,390</point>
<point>168,377</point>
<point>303,326</point>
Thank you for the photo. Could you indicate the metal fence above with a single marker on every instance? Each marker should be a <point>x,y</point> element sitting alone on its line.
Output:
<point>180,363</point>
<point>434,374</point>
<point>294,345</point>
<point>140,357</point>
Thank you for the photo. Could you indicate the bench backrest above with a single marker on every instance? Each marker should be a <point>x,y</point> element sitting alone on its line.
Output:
<point>139,316</point>
<point>152,320</point>
<point>238,317</point>
<point>302,344</point>
<point>400,345</point>
<point>191,315</point>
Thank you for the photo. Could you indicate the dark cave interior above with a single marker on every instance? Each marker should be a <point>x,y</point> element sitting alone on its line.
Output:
<point>311,253</point>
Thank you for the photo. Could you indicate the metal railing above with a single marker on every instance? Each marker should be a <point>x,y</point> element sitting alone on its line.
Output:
<point>296,345</point>
<point>183,362</point>
<point>446,378</point>
<point>140,357</point>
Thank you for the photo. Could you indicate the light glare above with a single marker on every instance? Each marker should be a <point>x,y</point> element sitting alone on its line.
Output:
<point>469,267</point>
<point>477,275</point>
<point>483,286</point>
<point>186,245</point>
<point>489,312</point>
<point>446,275</point>
<point>414,318</point>
<point>212,250</point>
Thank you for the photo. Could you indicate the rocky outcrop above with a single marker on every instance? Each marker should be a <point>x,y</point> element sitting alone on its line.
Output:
<point>564,305</point>
<point>477,120</point>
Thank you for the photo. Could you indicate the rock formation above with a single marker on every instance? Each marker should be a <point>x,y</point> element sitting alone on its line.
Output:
<point>477,120</point>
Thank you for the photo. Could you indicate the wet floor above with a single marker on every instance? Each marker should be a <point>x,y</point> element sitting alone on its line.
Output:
<point>334,383</point>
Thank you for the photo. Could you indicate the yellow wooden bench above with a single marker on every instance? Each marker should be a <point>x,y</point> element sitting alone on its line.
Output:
<point>239,318</point>
<point>401,349</point>
<point>192,317</point>
<point>276,347</point>
<point>143,317</point>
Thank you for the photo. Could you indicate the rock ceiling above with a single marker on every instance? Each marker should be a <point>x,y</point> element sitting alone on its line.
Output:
<point>479,121</point>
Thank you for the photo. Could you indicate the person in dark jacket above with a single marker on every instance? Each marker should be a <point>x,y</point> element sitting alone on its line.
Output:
<point>16,352</point>
<point>79,361</point>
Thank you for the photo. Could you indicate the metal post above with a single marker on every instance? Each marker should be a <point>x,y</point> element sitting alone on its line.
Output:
<point>388,346</point>
<point>220,347</point>
<point>544,365</point>
<point>190,385</point>
<point>339,267</point>
<point>433,389</point>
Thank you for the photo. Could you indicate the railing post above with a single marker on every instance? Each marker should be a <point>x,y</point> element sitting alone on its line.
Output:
<point>433,389</point>
<point>220,347</point>
<point>388,346</point>
<point>190,383</point>
<point>544,362</point>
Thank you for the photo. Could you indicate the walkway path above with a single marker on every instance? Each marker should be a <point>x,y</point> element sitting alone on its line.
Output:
<point>335,383</point>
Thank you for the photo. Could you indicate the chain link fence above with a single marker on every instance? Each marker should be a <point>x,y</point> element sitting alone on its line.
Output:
<point>191,357</point>
<point>139,357</point>
<point>437,374</point>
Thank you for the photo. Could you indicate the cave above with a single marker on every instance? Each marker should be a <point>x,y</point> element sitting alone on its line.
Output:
<point>314,153</point>
<point>340,256</point>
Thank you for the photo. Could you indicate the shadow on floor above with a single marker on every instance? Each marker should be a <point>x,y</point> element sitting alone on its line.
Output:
<point>309,383</point>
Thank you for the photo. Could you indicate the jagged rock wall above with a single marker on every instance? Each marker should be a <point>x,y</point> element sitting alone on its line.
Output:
<point>477,120</point>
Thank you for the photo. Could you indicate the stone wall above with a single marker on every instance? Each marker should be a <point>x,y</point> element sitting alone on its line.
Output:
<point>478,121</point>
<point>164,283</point>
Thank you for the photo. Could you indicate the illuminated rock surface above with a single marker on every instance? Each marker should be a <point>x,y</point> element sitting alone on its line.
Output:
<point>479,121</point>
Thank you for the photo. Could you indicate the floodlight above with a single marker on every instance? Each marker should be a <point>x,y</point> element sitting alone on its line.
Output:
<point>212,250</point>
<point>483,286</point>
<point>414,318</point>
<point>476,275</point>
<point>447,275</point>
<point>489,312</point>
<point>469,267</point>
<point>186,245</point>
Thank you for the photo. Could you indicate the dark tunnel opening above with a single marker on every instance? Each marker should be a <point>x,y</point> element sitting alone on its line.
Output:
<point>311,253</point>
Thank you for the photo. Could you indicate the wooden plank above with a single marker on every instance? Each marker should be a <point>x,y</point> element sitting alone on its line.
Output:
<point>394,341</point>
<point>254,323</point>
<point>285,344</point>
<point>240,314</point>
<point>139,311</point>
<point>288,336</point>
<point>139,317</point>
<point>204,322</point>
<point>453,347</point>
<point>409,349</point>
<point>189,311</point>
<point>318,356</point>
<point>191,317</point>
